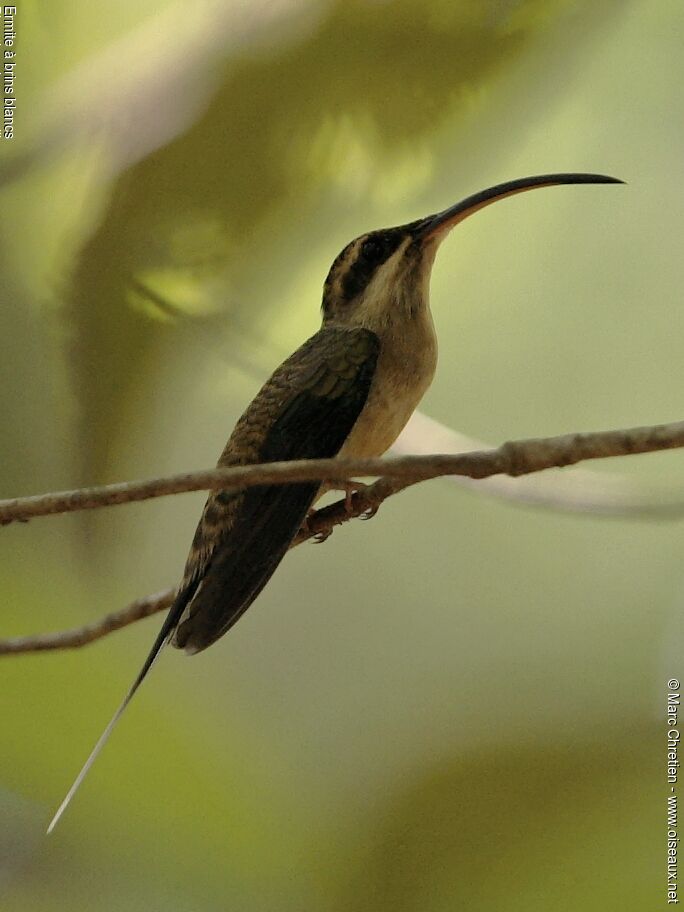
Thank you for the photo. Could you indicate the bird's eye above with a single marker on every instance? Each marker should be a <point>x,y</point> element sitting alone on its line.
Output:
<point>373,249</point>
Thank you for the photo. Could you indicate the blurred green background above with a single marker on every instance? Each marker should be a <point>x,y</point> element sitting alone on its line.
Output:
<point>461,704</point>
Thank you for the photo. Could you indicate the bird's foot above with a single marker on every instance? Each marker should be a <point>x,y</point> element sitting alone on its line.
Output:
<point>354,487</point>
<point>320,537</point>
<point>316,537</point>
<point>369,513</point>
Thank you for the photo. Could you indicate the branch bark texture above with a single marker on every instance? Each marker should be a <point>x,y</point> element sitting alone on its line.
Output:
<point>515,458</point>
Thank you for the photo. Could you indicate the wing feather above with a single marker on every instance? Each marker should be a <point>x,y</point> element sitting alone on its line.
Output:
<point>309,407</point>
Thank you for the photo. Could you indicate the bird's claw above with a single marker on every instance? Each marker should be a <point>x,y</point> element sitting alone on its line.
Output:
<point>369,513</point>
<point>350,488</point>
<point>316,537</point>
<point>356,487</point>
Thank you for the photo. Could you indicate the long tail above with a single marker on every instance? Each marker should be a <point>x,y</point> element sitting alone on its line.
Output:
<point>163,637</point>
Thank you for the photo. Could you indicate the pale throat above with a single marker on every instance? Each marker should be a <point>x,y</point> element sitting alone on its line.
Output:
<point>405,369</point>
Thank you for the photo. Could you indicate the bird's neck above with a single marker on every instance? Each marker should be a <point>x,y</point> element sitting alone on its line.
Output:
<point>405,368</point>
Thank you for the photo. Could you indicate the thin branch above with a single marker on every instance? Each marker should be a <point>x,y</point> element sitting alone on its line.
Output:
<point>320,523</point>
<point>571,490</point>
<point>80,636</point>
<point>514,459</point>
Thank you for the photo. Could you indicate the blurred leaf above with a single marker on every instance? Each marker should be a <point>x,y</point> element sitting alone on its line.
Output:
<point>329,111</point>
<point>522,830</point>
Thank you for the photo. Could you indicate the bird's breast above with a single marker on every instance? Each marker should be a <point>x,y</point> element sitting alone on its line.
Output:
<point>405,368</point>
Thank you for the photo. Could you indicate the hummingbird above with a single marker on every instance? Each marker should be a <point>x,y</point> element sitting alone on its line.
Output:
<point>348,391</point>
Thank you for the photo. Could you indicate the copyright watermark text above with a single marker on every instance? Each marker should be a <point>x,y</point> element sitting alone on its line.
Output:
<point>673,738</point>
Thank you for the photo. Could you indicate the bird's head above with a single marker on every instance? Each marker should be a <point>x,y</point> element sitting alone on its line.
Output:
<point>384,276</point>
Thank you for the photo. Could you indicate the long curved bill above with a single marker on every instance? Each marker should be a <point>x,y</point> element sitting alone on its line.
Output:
<point>436,226</point>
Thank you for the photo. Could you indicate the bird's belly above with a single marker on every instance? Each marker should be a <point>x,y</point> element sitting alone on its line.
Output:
<point>392,399</point>
<point>377,427</point>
